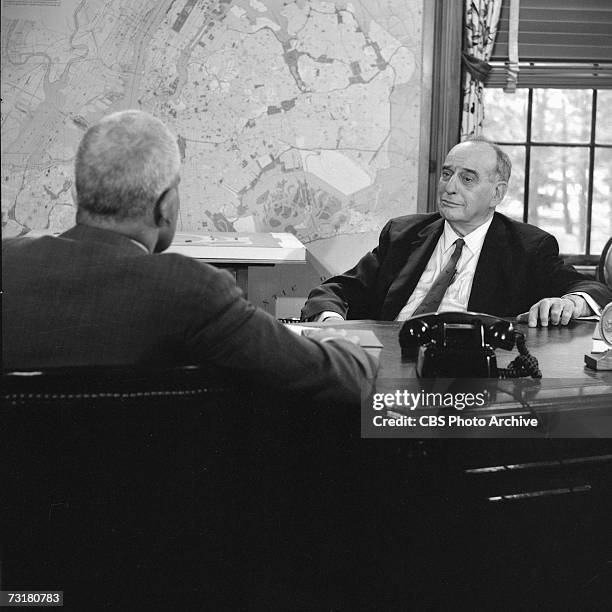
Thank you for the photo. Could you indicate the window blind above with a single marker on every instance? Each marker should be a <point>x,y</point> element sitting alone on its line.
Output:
<point>562,43</point>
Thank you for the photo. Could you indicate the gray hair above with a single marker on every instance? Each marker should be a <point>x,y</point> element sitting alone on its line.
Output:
<point>503,165</point>
<point>123,165</point>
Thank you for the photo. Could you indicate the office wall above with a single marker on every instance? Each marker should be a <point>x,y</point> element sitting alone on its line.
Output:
<point>302,116</point>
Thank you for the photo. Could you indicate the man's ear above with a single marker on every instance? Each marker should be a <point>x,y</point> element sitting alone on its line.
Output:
<point>163,211</point>
<point>500,192</point>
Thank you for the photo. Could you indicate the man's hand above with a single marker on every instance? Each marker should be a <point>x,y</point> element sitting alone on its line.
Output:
<point>557,310</point>
<point>329,333</point>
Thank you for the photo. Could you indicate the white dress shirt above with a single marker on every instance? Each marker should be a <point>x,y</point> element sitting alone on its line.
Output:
<point>457,295</point>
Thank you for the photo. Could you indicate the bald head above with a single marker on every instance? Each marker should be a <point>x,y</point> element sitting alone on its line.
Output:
<point>503,165</point>
<point>124,164</point>
<point>472,183</point>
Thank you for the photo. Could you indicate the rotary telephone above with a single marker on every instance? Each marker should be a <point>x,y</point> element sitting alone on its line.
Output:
<point>462,345</point>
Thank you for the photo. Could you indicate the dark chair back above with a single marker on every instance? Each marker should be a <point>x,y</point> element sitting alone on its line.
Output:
<point>155,478</point>
<point>96,384</point>
<point>604,268</point>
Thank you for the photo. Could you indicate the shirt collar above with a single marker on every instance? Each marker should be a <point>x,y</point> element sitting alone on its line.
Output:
<point>142,246</point>
<point>473,241</point>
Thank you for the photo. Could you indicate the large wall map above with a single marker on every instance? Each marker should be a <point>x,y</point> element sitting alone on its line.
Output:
<point>299,116</point>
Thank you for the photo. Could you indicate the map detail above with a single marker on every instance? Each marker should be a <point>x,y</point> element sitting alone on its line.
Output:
<point>291,116</point>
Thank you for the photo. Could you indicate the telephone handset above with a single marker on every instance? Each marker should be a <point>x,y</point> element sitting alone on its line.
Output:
<point>461,344</point>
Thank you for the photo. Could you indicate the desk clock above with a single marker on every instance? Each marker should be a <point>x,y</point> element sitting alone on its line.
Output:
<point>603,333</point>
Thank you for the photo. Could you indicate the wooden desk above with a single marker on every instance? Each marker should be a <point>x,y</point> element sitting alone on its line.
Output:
<point>172,494</point>
<point>238,251</point>
<point>573,400</point>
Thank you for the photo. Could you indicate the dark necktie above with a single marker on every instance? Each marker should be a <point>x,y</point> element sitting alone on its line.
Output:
<point>431,302</point>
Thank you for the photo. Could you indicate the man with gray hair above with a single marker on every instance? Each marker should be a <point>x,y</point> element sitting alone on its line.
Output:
<point>103,293</point>
<point>465,257</point>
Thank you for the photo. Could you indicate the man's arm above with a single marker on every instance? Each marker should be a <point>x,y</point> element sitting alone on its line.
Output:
<point>564,285</point>
<point>349,294</point>
<point>230,332</point>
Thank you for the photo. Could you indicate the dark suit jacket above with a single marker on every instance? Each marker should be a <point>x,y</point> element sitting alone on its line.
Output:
<point>94,297</point>
<point>519,264</point>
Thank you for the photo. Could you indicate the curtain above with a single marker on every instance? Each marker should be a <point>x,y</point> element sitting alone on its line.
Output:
<point>481,20</point>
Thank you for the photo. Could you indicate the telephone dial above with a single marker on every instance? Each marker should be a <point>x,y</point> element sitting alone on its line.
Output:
<point>462,344</point>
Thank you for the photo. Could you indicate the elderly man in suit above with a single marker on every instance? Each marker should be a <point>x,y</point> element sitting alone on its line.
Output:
<point>103,293</point>
<point>466,256</point>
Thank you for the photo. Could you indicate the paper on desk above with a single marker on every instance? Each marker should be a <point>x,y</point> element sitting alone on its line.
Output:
<point>367,338</point>
<point>296,328</point>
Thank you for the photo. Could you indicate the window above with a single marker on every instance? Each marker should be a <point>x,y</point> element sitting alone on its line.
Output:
<point>560,144</point>
<point>557,126</point>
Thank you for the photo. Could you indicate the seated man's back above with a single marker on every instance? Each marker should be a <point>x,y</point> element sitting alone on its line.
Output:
<point>94,297</point>
<point>103,294</point>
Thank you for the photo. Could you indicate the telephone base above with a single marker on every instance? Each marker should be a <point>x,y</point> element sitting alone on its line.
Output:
<point>444,362</point>
<point>602,362</point>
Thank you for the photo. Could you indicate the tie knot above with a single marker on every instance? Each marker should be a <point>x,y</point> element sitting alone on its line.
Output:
<point>459,243</point>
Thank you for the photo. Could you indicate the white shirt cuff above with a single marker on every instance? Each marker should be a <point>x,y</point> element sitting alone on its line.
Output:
<point>328,314</point>
<point>589,300</point>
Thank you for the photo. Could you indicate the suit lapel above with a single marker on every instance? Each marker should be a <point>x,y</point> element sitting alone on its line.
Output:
<point>493,272</point>
<point>417,254</point>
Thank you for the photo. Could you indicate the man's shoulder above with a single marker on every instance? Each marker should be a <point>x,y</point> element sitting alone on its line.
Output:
<point>16,242</point>
<point>408,224</point>
<point>24,247</point>
<point>189,272</point>
<point>178,263</point>
<point>417,219</point>
<point>518,229</point>
<point>9,244</point>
